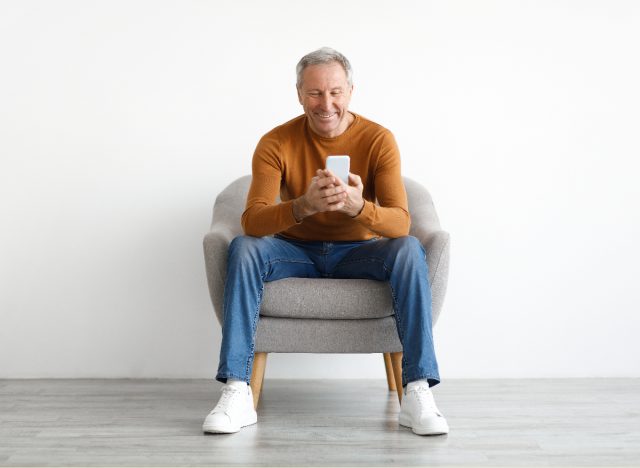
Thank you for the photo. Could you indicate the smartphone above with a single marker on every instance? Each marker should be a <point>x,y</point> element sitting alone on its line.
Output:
<point>339,165</point>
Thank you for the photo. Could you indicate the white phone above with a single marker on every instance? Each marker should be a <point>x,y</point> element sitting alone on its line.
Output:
<point>339,165</point>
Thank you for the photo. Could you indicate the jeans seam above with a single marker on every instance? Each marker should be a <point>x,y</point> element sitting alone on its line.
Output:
<point>254,329</point>
<point>368,260</point>
<point>233,376</point>
<point>284,260</point>
<point>395,311</point>
<point>398,327</point>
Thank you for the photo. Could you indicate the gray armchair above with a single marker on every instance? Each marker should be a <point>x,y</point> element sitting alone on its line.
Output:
<point>305,315</point>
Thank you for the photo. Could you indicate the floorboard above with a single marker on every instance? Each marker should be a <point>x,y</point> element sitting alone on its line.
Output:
<point>560,422</point>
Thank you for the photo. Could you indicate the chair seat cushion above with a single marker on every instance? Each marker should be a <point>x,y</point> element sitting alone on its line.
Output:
<point>325,298</point>
<point>284,335</point>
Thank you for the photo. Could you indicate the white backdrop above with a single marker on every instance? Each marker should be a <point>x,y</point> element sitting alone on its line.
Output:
<point>120,121</point>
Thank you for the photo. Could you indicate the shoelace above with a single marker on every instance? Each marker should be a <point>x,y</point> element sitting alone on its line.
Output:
<point>425,398</point>
<point>228,396</point>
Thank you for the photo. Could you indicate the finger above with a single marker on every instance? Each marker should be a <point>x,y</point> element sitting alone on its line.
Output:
<point>330,191</point>
<point>320,176</point>
<point>341,182</point>
<point>324,173</point>
<point>355,179</point>
<point>336,206</point>
<point>326,181</point>
<point>340,197</point>
<point>328,173</point>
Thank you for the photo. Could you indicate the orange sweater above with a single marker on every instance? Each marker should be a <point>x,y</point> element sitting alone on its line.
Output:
<point>287,158</point>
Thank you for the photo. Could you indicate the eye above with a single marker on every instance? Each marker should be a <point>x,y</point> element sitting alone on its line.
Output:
<point>336,93</point>
<point>314,94</point>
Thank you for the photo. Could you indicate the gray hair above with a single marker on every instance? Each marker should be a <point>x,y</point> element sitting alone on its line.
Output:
<point>323,56</point>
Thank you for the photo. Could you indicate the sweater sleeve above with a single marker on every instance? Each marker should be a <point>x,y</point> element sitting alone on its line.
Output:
<point>262,215</point>
<point>390,217</point>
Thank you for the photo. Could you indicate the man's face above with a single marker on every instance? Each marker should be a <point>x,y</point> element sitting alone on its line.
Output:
<point>325,95</point>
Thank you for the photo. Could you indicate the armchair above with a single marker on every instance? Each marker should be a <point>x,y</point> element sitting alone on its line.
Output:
<point>304,315</point>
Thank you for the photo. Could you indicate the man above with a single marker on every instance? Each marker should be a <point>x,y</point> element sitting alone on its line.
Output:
<point>325,227</point>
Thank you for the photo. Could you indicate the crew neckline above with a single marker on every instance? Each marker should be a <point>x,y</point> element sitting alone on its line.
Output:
<point>356,119</point>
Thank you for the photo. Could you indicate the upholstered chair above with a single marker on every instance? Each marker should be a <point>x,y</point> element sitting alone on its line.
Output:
<point>309,315</point>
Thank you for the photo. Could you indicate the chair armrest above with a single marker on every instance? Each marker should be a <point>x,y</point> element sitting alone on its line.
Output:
<point>436,245</point>
<point>216,246</point>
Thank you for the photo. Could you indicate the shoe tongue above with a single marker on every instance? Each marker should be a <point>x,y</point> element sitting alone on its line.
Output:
<point>418,385</point>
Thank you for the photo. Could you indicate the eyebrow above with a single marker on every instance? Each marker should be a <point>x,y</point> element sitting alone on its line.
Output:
<point>337,88</point>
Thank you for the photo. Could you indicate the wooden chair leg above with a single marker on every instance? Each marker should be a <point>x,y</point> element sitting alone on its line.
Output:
<point>387,366</point>
<point>257,376</point>
<point>396,363</point>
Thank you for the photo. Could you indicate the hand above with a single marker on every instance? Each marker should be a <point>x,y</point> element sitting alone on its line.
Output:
<point>322,195</point>
<point>327,192</point>
<point>353,202</point>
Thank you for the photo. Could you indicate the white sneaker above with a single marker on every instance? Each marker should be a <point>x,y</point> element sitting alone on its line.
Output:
<point>233,411</point>
<point>418,411</point>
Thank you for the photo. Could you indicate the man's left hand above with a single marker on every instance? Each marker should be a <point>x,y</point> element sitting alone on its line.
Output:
<point>352,195</point>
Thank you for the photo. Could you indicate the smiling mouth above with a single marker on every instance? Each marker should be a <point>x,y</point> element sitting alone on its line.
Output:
<point>326,116</point>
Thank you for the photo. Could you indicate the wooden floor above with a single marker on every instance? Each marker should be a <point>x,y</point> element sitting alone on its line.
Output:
<point>319,423</point>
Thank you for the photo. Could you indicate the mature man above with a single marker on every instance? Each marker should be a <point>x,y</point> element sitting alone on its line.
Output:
<point>326,228</point>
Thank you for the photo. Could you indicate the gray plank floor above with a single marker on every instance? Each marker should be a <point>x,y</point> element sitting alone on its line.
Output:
<point>567,422</point>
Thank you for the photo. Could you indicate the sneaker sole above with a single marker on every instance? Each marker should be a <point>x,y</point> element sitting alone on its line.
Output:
<point>439,428</point>
<point>230,430</point>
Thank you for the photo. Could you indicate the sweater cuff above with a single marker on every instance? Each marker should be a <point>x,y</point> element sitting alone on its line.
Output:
<point>289,211</point>
<point>364,217</point>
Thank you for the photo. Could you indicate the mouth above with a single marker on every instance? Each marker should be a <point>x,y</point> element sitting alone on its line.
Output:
<point>322,116</point>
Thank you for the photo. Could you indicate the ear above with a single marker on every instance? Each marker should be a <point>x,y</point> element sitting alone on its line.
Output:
<point>299,94</point>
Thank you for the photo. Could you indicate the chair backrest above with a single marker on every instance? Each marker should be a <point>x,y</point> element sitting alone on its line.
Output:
<point>230,204</point>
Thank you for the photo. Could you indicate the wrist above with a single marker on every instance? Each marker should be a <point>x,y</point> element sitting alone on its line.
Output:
<point>359,211</point>
<point>300,209</point>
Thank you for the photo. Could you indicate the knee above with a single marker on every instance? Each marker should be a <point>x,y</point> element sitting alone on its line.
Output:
<point>244,247</point>
<point>408,248</point>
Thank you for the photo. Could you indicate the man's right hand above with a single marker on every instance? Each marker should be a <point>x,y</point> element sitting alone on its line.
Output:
<point>323,194</point>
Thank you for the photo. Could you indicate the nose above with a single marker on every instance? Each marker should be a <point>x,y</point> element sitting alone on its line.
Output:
<point>326,101</point>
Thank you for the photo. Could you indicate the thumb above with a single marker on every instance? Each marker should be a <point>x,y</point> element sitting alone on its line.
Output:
<point>354,179</point>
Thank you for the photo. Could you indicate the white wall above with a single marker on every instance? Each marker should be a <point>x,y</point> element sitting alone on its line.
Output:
<point>121,121</point>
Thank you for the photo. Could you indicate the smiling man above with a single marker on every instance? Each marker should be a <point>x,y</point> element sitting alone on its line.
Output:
<point>325,92</point>
<point>326,228</point>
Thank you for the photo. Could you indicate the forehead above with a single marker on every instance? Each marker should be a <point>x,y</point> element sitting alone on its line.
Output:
<point>329,75</point>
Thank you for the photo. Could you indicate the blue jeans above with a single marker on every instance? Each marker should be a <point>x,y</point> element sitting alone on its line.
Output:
<point>255,260</point>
